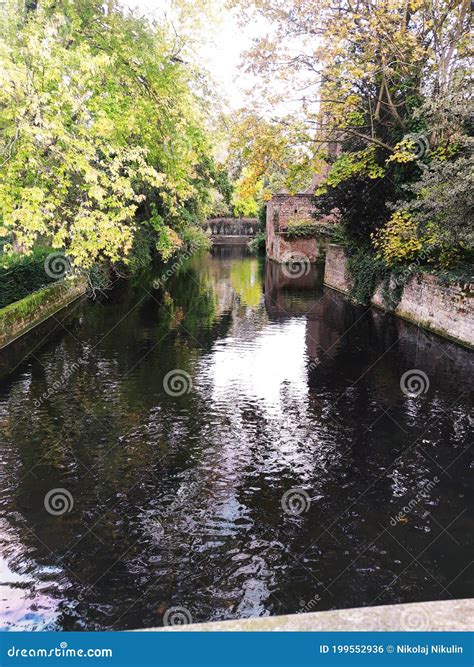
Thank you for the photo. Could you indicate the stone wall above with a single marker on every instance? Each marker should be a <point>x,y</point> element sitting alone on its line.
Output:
<point>281,210</point>
<point>445,615</point>
<point>446,310</point>
<point>20,317</point>
<point>231,227</point>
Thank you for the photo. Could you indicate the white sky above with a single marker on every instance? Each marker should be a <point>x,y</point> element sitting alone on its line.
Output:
<point>221,54</point>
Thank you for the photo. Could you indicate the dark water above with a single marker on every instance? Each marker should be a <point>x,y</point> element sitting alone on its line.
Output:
<point>177,500</point>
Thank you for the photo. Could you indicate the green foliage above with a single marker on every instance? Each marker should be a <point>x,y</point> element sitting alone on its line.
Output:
<point>390,119</point>
<point>398,241</point>
<point>100,119</point>
<point>393,285</point>
<point>362,205</point>
<point>460,273</point>
<point>366,272</point>
<point>195,239</point>
<point>258,244</point>
<point>356,163</point>
<point>339,235</point>
<point>442,204</point>
<point>22,274</point>
<point>306,229</point>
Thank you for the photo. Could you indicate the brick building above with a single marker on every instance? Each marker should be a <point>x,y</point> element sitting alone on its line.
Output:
<point>284,208</point>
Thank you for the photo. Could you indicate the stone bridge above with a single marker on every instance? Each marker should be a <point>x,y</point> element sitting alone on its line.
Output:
<point>224,231</point>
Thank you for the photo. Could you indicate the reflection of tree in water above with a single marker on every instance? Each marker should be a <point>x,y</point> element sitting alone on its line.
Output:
<point>245,280</point>
<point>107,440</point>
<point>100,434</point>
<point>177,500</point>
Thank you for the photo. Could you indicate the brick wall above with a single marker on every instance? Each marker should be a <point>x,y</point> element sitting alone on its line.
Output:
<point>446,310</point>
<point>282,209</point>
<point>335,274</point>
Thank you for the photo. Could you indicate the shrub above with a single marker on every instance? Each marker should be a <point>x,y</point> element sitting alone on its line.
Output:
<point>366,271</point>
<point>22,274</point>
<point>195,238</point>
<point>257,245</point>
<point>398,241</point>
<point>305,229</point>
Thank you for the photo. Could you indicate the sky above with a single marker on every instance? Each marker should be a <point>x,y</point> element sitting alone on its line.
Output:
<point>221,55</point>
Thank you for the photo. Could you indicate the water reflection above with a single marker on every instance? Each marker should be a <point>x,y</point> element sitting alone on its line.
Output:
<point>177,500</point>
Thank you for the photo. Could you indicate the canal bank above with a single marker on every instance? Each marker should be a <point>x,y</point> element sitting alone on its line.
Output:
<point>180,491</point>
<point>447,310</point>
<point>21,317</point>
<point>438,616</point>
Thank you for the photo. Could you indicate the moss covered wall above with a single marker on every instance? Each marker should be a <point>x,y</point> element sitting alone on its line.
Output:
<point>448,310</point>
<point>21,316</point>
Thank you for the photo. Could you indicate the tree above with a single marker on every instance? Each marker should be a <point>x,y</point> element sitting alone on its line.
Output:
<point>101,120</point>
<point>373,79</point>
<point>264,157</point>
<point>440,210</point>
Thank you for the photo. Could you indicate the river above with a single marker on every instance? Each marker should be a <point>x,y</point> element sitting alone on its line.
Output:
<point>234,444</point>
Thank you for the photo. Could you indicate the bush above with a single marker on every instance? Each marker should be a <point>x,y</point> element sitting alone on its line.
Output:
<point>257,245</point>
<point>195,238</point>
<point>22,274</point>
<point>398,241</point>
<point>339,235</point>
<point>306,229</point>
<point>366,272</point>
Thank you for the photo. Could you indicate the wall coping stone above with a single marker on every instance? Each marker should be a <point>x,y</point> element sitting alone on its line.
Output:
<point>22,316</point>
<point>437,616</point>
<point>450,321</point>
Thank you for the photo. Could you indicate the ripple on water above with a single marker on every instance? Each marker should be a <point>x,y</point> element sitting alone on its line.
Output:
<point>178,499</point>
